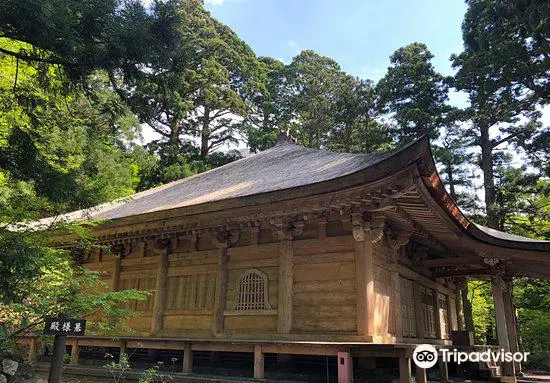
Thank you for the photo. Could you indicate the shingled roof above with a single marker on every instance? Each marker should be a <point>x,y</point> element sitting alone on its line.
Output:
<point>286,171</point>
<point>284,166</point>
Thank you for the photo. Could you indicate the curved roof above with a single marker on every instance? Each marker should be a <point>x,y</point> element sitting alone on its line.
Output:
<point>288,171</point>
<point>283,166</point>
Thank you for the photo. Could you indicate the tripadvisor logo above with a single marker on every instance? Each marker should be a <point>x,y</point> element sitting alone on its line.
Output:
<point>426,356</point>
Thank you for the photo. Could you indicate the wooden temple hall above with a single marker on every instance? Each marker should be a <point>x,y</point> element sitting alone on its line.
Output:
<point>294,252</point>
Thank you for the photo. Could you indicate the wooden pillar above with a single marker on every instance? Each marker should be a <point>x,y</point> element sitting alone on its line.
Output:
<point>437,316</point>
<point>223,240</point>
<point>187,358</point>
<point>221,291</point>
<point>32,350</point>
<point>115,280</point>
<point>75,352</point>
<point>396,303</point>
<point>458,310</point>
<point>404,367</point>
<point>511,323</point>
<point>418,317</point>
<point>365,235</point>
<point>397,242</point>
<point>443,370</point>
<point>258,362</point>
<point>286,283</point>
<point>467,308</point>
<point>161,247</point>
<point>500,318</point>
<point>420,374</point>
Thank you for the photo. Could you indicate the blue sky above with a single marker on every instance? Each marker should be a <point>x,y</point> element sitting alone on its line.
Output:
<point>359,34</point>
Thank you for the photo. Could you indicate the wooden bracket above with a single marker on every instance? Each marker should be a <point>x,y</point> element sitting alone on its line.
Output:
<point>161,245</point>
<point>284,230</point>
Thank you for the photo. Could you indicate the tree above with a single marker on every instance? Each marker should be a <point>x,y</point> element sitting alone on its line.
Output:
<point>356,128</point>
<point>311,84</point>
<point>269,111</point>
<point>454,160</point>
<point>198,87</point>
<point>82,36</point>
<point>62,147</point>
<point>498,45</point>
<point>509,39</point>
<point>413,93</point>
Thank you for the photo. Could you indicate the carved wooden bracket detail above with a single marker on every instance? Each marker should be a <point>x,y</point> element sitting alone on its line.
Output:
<point>363,229</point>
<point>161,245</point>
<point>226,238</point>
<point>287,230</point>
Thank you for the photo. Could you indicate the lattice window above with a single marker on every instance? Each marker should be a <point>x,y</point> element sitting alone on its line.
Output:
<point>252,290</point>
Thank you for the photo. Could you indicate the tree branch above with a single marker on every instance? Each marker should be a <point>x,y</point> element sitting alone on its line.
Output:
<point>503,140</point>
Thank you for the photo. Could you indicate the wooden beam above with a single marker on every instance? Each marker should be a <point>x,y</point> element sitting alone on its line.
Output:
<point>458,309</point>
<point>75,352</point>
<point>455,261</point>
<point>187,358</point>
<point>115,280</point>
<point>437,316</point>
<point>497,285</point>
<point>404,368</point>
<point>418,317</point>
<point>420,374</point>
<point>258,362</point>
<point>511,322</point>
<point>32,350</point>
<point>160,293</point>
<point>443,370</point>
<point>396,303</point>
<point>221,291</point>
<point>286,283</point>
<point>364,264</point>
<point>459,272</point>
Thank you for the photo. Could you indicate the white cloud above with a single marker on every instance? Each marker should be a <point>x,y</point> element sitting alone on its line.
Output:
<point>371,73</point>
<point>214,2</point>
<point>294,45</point>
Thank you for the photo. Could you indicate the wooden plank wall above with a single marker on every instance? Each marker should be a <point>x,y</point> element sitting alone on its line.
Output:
<point>324,290</point>
<point>265,258</point>
<point>324,285</point>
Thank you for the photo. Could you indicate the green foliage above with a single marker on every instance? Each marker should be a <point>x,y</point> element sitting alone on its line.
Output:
<point>504,71</point>
<point>59,289</point>
<point>414,93</point>
<point>119,370</point>
<point>82,36</point>
<point>482,311</point>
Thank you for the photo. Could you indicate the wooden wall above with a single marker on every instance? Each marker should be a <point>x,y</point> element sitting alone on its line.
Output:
<point>324,289</point>
<point>324,285</point>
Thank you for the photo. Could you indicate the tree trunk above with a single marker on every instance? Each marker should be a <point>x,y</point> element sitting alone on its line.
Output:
<point>205,133</point>
<point>175,130</point>
<point>488,176</point>
<point>451,181</point>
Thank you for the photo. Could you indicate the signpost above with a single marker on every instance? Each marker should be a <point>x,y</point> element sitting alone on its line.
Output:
<point>61,327</point>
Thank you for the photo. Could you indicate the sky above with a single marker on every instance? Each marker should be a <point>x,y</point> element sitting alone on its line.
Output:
<point>359,34</point>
